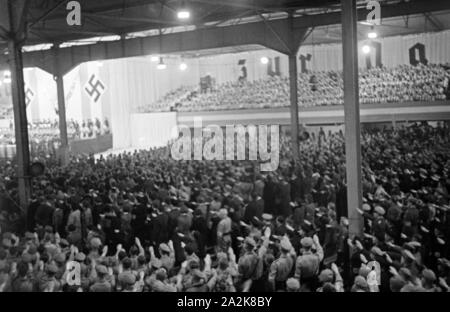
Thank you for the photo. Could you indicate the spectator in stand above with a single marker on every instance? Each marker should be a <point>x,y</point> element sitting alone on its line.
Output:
<point>405,83</point>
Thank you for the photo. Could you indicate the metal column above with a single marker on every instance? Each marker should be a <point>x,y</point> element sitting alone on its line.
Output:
<point>19,106</point>
<point>59,78</point>
<point>293,87</point>
<point>351,109</point>
<point>293,90</point>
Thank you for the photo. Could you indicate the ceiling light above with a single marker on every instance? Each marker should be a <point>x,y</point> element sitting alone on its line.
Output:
<point>7,76</point>
<point>372,34</point>
<point>183,66</point>
<point>366,49</point>
<point>161,64</point>
<point>183,14</point>
<point>264,60</point>
<point>366,23</point>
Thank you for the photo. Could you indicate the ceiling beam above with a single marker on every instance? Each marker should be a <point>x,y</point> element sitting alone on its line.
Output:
<point>203,39</point>
<point>219,37</point>
<point>133,19</point>
<point>235,4</point>
<point>109,8</point>
<point>4,33</point>
<point>108,28</point>
<point>387,11</point>
<point>75,31</point>
<point>47,14</point>
<point>93,8</point>
<point>436,24</point>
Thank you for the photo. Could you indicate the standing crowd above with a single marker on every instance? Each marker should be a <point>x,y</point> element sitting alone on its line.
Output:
<point>144,222</point>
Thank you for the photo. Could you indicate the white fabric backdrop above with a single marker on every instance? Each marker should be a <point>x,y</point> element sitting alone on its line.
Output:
<point>132,83</point>
<point>151,130</point>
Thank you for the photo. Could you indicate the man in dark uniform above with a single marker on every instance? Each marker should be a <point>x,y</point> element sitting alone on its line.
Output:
<point>254,209</point>
<point>159,228</point>
<point>285,198</point>
<point>269,194</point>
<point>200,228</point>
<point>44,214</point>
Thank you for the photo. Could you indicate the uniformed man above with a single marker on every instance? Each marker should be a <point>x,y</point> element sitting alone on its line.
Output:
<point>23,282</point>
<point>380,225</point>
<point>429,281</point>
<point>160,283</point>
<point>281,268</point>
<point>267,227</point>
<point>101,284</point>
<point>255,208</point>
<point>167,256</point>
<point>48,282</point>
<point>224,230</point>
<point>249,264</point>
<point>307,264</point>
<point>128,281</point>
<point>292,285</point>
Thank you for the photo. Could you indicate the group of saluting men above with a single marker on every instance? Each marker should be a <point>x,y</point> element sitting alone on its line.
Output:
<point>144,222</point>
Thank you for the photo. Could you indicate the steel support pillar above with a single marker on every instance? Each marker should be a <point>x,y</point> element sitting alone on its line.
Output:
<point>351,110</point>
<point>293,87</point>
<point>293,90</point>
<point>59,78</point>
<point>19,105</point>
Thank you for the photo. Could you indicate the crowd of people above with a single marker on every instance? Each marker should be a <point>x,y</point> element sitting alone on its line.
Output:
<point>91,128</point>
<point>143,221</point>
<point>5,111</point>
<point>404,83</point>
<point>169,101</point>
<point>44,135</point>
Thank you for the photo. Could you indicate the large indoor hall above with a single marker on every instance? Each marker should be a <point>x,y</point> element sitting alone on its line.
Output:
<point>234,146</point>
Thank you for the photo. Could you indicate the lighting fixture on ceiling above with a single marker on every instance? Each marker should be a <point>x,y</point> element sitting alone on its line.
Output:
<point>7,76</point>
<point>183,12</point>
<point>183,66</point>
<point>372,34</point>
<point>161,64</point>
<point>366,49</point>
<point>264,60</point>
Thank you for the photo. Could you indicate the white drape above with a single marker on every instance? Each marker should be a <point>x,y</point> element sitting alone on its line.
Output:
<point>136,82</point>
<point>152,130</point>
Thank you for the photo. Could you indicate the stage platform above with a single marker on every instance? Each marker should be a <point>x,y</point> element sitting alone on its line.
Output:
<point>86,146</point>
